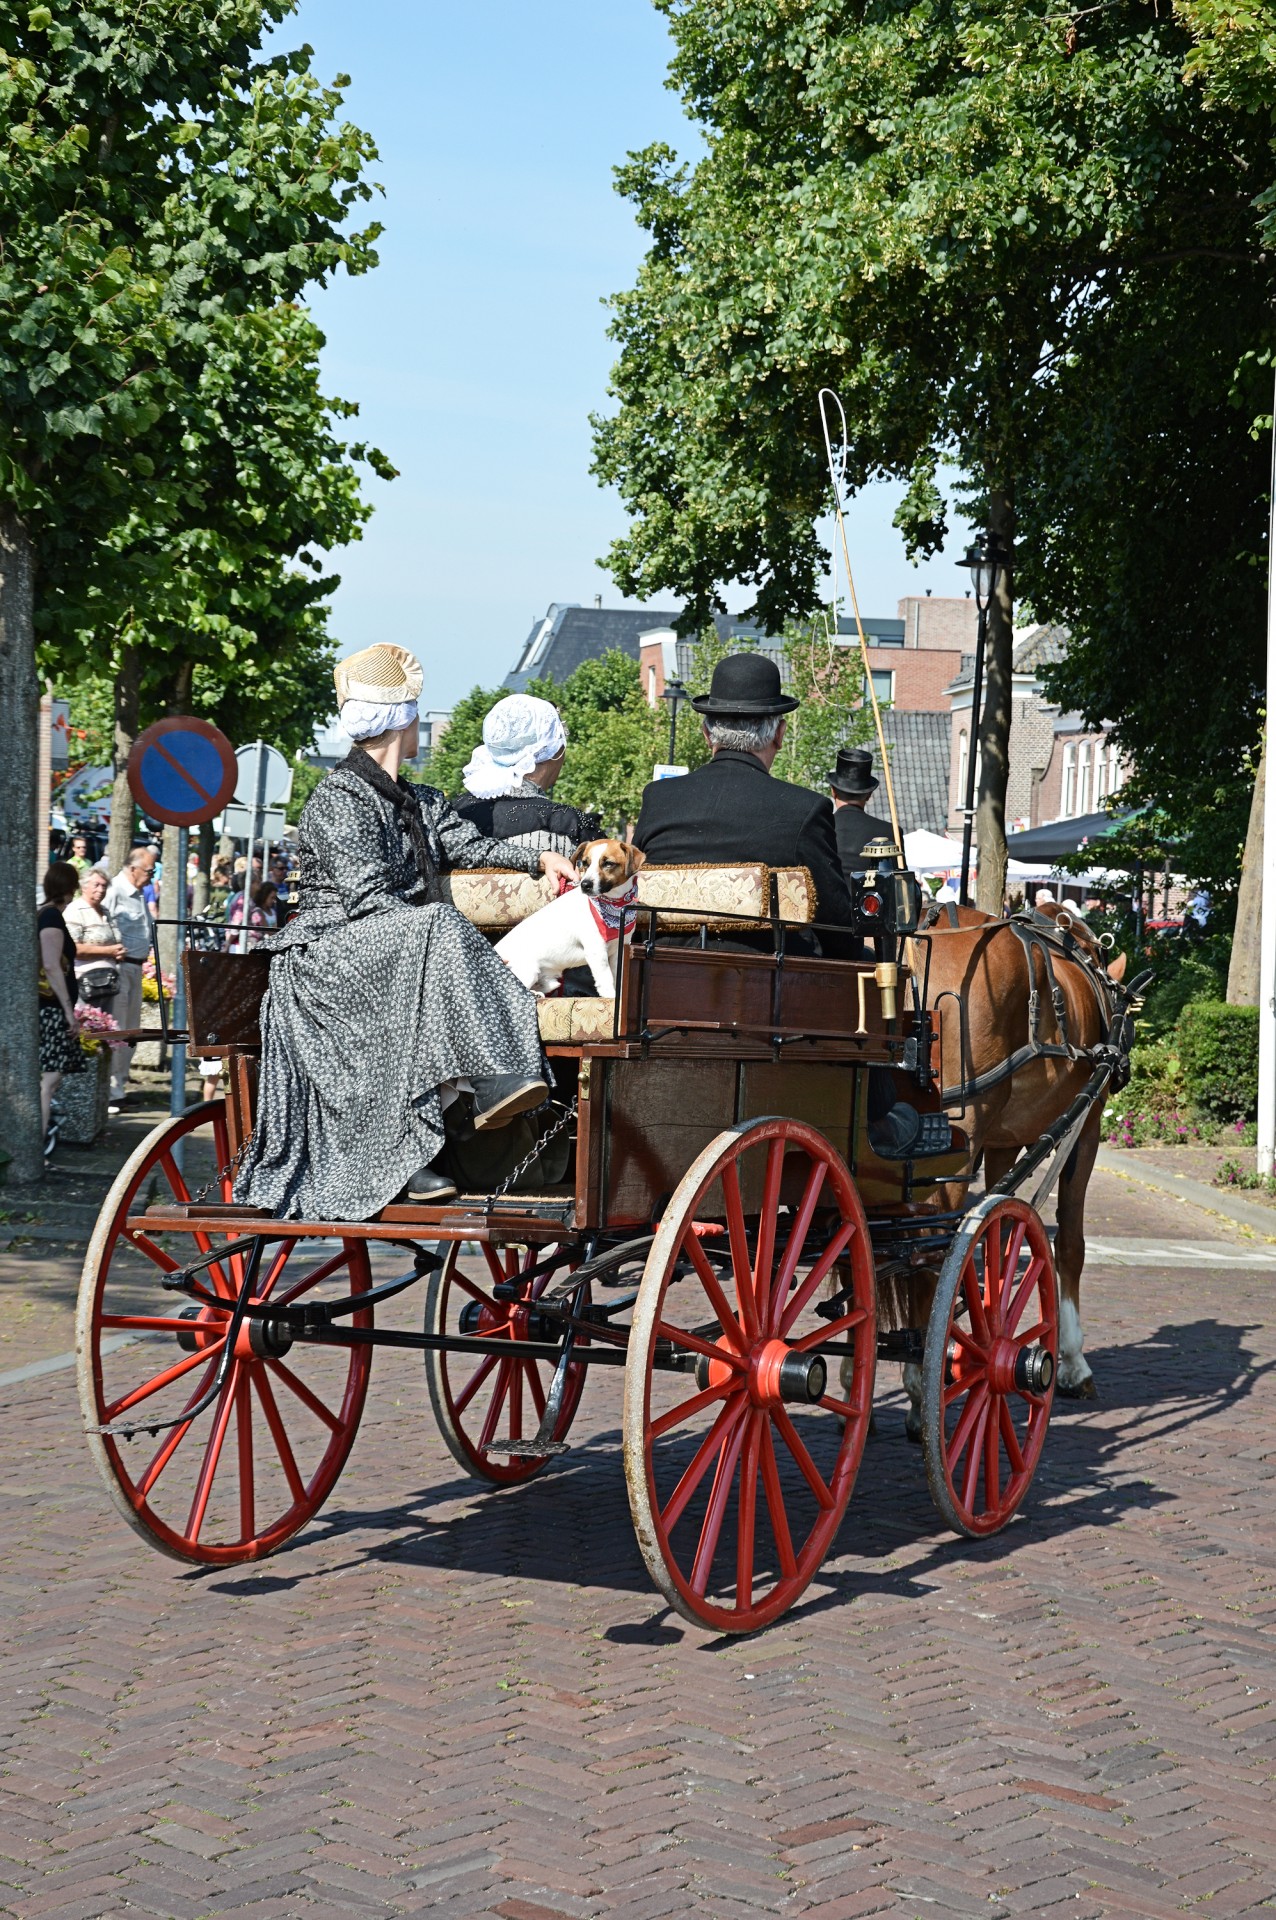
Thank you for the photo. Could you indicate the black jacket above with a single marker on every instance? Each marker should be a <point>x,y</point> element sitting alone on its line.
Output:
<point>731,810</point>
<point>854,829</point>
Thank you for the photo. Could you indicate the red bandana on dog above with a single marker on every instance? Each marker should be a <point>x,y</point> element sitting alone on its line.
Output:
<point>610,916</point>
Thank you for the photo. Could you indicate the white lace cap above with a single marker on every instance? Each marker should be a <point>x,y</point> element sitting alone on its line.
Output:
<point>365,719</point>
<point>518,734</point>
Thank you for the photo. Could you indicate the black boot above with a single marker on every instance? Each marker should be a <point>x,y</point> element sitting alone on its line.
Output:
<point>429,1186</point>
<point>503,1096</point>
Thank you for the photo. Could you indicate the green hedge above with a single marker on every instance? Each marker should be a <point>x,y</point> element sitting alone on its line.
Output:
<point>1218,1049</point>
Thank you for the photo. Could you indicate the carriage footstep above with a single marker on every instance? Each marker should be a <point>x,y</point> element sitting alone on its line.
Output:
<point>532,1449</point>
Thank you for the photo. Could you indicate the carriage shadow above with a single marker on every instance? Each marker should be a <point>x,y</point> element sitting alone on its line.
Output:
<point>572,1524</point>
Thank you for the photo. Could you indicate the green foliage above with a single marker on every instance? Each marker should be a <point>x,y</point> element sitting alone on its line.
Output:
<point>464,733</point>
<point>1218,1045</point>
<point>1186,970</point>
<point>305,778</point>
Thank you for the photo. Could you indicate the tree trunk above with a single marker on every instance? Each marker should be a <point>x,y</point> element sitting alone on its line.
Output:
<point>1242,971</point>
<point>127,694</point>
<point>994,725</point>
<point>20,1134</point>
<point>174,881</point>
<point>199,901</point>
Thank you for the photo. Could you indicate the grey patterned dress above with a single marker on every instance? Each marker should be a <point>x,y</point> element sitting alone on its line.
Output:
<point>379,993</point>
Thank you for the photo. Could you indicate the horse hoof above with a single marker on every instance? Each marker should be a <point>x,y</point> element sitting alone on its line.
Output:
<point>1078,1390</point>
<point>913,1434</point>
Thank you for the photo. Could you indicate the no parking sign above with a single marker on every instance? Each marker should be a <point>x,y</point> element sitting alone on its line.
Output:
<point>182,771</point>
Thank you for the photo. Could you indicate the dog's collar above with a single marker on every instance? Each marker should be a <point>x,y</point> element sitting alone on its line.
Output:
<point>611,915</point>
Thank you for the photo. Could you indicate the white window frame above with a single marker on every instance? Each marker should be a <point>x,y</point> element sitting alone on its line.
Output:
<point>1068,789</point>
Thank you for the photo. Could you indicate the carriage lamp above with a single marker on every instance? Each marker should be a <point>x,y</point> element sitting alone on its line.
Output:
<point>985,557</point>
<point>673,693</point>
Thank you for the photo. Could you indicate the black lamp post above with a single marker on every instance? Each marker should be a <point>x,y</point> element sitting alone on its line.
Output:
<point>673,693</point>
<point>985,560</point>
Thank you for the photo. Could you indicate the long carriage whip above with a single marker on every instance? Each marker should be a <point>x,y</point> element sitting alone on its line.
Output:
<point>837,476</point>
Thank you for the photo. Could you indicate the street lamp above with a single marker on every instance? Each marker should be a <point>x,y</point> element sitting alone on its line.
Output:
<point>673,693</point>
<point>985,560</point>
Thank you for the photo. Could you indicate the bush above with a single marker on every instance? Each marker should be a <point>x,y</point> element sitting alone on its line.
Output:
<point>1153,1109</point>
<point>1218,1049</point>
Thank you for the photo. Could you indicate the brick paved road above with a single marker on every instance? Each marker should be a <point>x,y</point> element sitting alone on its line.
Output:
<point>471,1704</point>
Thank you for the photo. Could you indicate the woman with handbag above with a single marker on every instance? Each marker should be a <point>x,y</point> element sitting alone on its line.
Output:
<point>60,1049</point>
<point>98,947</point>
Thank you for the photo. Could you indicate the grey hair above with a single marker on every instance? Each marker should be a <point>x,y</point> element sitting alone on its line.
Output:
<point>743,732</point>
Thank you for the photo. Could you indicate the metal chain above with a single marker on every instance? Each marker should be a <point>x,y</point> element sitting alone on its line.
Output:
<point>223,1174</point>
<point>565,1118</point>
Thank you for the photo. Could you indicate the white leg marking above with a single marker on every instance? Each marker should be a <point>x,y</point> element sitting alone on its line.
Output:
<point>1073,1366</point>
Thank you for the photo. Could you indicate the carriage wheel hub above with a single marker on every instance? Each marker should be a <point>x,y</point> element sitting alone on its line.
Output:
<point>778,1373</point>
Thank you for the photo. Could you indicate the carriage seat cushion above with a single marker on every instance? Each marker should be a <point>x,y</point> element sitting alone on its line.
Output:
<point>495,900</point>
<point>573,1019</point>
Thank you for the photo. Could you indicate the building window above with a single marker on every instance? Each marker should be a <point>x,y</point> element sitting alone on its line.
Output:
<point>883,686</point>
<point>1068,807</point>
<point>1115,776</point>
<point>963,761</point>
<point>652,695</point>
<point>1083,778</point>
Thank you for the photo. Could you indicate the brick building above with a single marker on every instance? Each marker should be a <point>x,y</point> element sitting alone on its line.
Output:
<point>1032,721</point>
<point>1084,769</point>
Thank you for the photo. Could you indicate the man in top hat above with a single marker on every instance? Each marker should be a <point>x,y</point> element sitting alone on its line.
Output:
<point>854,783</point>
<point>732,809</point>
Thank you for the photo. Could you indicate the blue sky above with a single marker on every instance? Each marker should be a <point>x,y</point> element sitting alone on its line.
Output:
<point>478,348</point>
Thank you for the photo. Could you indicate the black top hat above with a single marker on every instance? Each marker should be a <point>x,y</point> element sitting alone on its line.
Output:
<point>745,683</point>
<point>853,775</point>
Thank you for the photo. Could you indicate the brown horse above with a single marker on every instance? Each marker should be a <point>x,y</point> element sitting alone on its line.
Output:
<point>982,965</point>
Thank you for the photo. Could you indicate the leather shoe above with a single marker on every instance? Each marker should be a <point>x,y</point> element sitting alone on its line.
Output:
<point>430,1186</point>
<point>503,1096</point>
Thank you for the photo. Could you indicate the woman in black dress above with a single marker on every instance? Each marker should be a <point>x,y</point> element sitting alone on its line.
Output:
<point>60,1049</point>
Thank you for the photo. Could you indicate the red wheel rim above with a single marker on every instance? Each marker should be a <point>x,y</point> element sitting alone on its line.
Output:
<point>482,1398</point>
<point>738,1481</point>
<point>236,1482</point>
<point>994,1422</point>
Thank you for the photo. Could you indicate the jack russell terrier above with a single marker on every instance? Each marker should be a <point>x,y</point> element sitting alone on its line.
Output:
<point>583,927</point>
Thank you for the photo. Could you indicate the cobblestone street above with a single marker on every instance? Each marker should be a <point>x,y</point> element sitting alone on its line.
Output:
<point>472,1703</point>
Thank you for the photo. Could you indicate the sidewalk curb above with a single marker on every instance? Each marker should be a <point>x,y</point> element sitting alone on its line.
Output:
<point>1244,1213</point>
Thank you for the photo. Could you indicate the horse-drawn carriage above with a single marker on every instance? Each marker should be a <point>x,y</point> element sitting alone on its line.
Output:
<point>706,1212</point>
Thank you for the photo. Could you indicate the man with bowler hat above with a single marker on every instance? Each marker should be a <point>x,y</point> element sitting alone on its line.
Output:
<point>854,782</point>
<point>732,809</point>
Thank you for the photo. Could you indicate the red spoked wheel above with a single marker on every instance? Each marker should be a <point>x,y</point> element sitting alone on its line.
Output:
<point>746,1410</point>
<point>235,1481</point>
<point>481,1399</point>
<point>992,1347</point>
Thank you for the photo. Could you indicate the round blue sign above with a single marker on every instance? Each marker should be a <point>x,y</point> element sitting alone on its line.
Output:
<point>182,771</point>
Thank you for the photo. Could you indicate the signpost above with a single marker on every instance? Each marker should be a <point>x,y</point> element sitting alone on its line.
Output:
<point>181,771</point>
<point>265,780</point>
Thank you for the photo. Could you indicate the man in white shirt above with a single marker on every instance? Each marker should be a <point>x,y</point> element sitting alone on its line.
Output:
<point>126,905</point>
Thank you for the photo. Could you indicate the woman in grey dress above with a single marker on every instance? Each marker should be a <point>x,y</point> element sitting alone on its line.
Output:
<point>383,1000</point>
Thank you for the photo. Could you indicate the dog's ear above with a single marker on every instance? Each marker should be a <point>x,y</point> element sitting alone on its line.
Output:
<point>578,858</point>
<point>637,858</point>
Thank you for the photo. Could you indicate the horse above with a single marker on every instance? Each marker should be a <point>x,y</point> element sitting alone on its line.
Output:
<point>1045,988</point>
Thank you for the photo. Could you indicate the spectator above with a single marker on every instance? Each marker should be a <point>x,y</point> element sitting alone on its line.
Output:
<point>98,947</point>
<point>60,1049</point>
<point>127,906</point>
<point>79,857</point>
<point>262,916</point>
<point>219,888</point>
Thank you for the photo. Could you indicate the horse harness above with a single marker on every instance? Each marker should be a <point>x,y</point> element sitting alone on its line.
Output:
<point>1041,936</point>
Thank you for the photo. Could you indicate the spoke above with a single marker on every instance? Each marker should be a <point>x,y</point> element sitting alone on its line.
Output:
<point>494,1410</point>
<point>806,1466</point>
<point>993,1251</point>
<point>475,1292</point>
<point>686,1408</point>
<point>532,1370</point>
<point>283,1447</point>
<point>244,1441</point>
<point>161,1381</point>
<point>955,1388</point>
<point>173,1440</point>
<point>303,1393</point>
<point>1034,1332</point>
<point>212,1455</point>
<point>1010,1438</point>
<point>307,1279</point>
<point>152,1323</point>
<point>172,1173</point>
<point>829,1258</point>
<point>842,1407</point>
<point>966,1423</point>
<point>1035,1269</point>
<point>1010,1266</point>
<point>963,1339</point>
<point>775,1504</point>
<point>745,1524</point>
<point>972,1291</point>
<point>681,1338</point>
<point>692,1248</point>
<point>971,1477</point>
<point>765,1262</point>
<point>733,1412</point>
<point>992,1457</point>
<point>796,1241</point>
<point>855,1318</point>
<point>715,1512</point>
<point>160,1255</point>
<point>462,1400</point>
<point>739,1248</point>
<point>495,1265</point>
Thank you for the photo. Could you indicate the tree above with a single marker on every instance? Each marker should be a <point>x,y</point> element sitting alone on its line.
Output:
<point>155,176</point>
<point>925,209</point>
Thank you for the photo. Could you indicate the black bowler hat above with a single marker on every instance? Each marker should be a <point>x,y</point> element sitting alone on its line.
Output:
<point>853,775</point>
<point>745,683</point>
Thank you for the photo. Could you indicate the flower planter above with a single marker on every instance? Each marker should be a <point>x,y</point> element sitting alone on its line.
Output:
<point>82,1100</point>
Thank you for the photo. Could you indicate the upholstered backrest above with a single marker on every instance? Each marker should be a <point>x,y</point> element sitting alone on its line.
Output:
<point>497,901</point>
<point>795,891</point>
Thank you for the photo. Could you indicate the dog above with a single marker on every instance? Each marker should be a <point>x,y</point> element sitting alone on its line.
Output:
<point>584,926</point>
